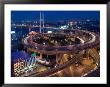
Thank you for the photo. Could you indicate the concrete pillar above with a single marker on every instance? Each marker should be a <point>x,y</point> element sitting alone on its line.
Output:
<point>57,59</point>
<point>41,55</point>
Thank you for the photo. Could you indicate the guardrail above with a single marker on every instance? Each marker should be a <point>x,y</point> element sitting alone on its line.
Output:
<point>62,49</point>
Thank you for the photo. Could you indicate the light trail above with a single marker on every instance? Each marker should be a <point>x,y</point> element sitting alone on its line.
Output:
<point>84,45</point>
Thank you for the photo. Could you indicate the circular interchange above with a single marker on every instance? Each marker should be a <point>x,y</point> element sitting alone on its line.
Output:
<point>93,40</point>
<point>86,40</point>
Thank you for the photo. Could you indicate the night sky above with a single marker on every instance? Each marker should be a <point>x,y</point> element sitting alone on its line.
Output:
<point>55,15</point>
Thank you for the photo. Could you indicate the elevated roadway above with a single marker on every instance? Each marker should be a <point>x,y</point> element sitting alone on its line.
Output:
<point>91,43</point>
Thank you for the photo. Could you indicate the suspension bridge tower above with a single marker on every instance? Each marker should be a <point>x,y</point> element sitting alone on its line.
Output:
<point>41,22</point>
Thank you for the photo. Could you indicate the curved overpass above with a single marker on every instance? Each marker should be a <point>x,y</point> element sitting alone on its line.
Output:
<point>92,42</point>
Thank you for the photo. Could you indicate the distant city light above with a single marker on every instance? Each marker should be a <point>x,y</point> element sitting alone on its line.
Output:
<point>87,20</point>
<point>43,43</point>
<point>49,32</point>
<point>64,27</point>
<point>12,32</point>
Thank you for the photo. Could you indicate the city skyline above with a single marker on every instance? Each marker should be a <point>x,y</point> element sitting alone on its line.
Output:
<point>55,43</point>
